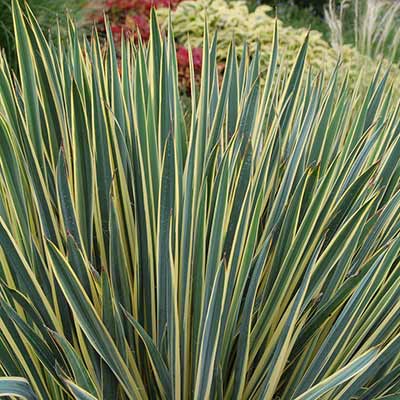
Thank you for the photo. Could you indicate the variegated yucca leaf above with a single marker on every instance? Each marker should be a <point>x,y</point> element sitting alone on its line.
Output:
<point>243,247</point>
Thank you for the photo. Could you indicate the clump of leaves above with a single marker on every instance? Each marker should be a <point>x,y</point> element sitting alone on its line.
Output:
<point>253,253</point>
<point>233,20</point>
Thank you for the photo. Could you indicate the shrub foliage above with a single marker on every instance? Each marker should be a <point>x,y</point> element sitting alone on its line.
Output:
<point>233,20</point>
<point>250,254</point>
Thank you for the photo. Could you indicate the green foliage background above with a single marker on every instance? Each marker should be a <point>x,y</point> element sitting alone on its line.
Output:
<point>234,20</point>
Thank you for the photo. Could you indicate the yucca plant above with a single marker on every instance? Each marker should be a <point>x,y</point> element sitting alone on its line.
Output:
<point>252,253</point>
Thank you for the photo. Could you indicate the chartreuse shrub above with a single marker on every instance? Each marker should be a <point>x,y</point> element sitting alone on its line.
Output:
<point>232,19</point>
<point>251,254</point>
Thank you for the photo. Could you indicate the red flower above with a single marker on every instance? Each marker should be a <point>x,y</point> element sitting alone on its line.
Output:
<point>116,29</point>
<point>182,56</point>
<point>98,19</point>
<point>116,32</point>
<point>140,23</point>
<point>197,58</point>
